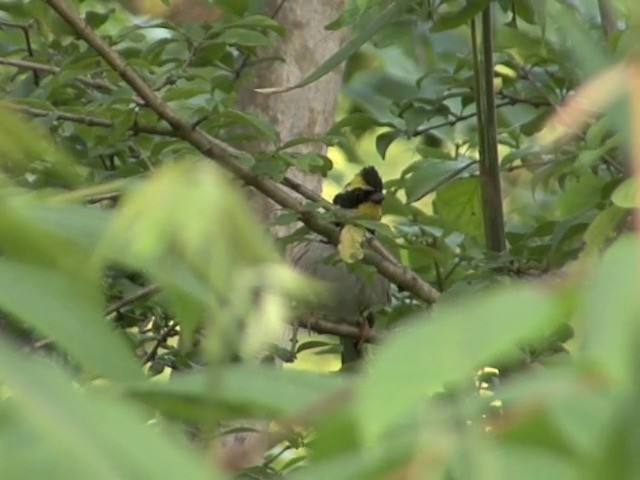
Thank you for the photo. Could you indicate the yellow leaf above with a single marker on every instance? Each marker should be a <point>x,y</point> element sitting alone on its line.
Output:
<point>350,246</point>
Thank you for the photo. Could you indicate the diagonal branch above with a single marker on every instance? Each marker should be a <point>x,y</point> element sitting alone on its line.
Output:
<point>147,291</point>
<point>169,331</point>
<point>226,156</point>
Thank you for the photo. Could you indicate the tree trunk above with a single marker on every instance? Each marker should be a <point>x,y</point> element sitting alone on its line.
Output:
<point>302,112</point>
<point>305,111</point>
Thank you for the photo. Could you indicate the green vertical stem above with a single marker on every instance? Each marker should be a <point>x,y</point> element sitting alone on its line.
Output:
<point>477,85</point>
<point>490,188</point>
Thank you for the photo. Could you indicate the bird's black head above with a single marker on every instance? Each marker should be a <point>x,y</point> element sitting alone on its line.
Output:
<point>363,193</point>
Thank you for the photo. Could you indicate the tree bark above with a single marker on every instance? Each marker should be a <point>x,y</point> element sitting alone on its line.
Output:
<point>306,111</point>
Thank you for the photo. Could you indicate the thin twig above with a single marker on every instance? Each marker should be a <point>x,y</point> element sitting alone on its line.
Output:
<point>226,156</point>
<point>136,128</point>
<point>144,292</point>
<point>348,330</point>
<point>24,27</point>
<point>170,330</point>
<point>147,291</point>
<point>245,58</point>
<point>508,102</point>
<point>277,455</point>
<point>43,67</point>
<point>103,197</point>
<point>526,101</point>
<point>544,163</point>
<point>316,324</point>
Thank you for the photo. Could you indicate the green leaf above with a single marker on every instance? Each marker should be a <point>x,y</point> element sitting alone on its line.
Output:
<point>626,194</point>
<point>447,347</point>
<point>459,206</point>
<point>524,9</point>
<point>294,142</point>
<point>603,228</point>
<point>257,22</point>
<point>186,92</point>
<point>82,425</point>
<point>349,15</point>
<point>611,308</point>
<point>50,283</point>
<point>258,124</point>
<point>208,272</point>
<point>312,344</point>
<point>240,390</point>
<point>588,158</point>
<point>243,37</point>
<point>450,20</point>
<point>589,57</point>
<point>80,225</point>
<point>69,311</point>
<point>427,175</point>
<point>384,141</point>
<point>309,162</point>
<point>525,463</point>
<point>355,121</point>
<point>97,19</point>
<point>585,420</point>
<point>535,124</point>
<point>348,49</point>
<point>24,144</point>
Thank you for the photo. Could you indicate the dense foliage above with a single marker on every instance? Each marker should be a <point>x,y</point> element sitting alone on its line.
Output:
<point>127,253</point>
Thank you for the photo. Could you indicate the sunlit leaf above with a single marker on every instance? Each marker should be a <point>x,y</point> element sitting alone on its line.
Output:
<point>450,20</point>
<point>459,205</point>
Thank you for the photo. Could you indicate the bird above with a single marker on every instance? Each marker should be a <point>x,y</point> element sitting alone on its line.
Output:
<point>353,296</point>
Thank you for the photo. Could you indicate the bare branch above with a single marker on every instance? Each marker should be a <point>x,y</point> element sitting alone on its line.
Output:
<point>135,296</point>
<point>25,27</point>
<point>340,329</point>
<point>88,120</point>
<point>43,67</point>
<point>104,197</point>
<point>225,155</point>
<point>508,102</point>
<point>144,292</point>
<point>169,331</point>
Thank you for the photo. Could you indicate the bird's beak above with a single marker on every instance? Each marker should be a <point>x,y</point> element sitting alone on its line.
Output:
<point>377,197</point>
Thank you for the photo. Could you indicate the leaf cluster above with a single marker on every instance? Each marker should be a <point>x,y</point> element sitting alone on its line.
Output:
<point>128,258</point>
